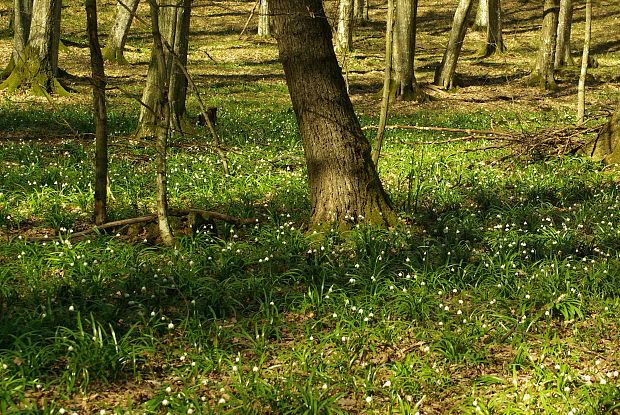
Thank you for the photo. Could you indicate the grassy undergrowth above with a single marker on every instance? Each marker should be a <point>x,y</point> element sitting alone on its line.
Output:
<point>500,295</point>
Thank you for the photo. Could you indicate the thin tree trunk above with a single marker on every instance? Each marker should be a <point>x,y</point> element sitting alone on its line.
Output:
<point>115,48</point>
<point>38,66</point>
<point>100,113</point>
<point>403,84</point>
<point>264,27</point>
<point>385,102</point>
<point>344,186</point>
<point>162,124</point>
<point>444,76</point>
<point>543,74</point>
<point>495,40</point>
<point>174,31</point>
<point>22,16</point>
<point>482,16</point>
<point>360,11</point>
<point>581,89</point>
<point>562,48</point>
<point>343,31</point>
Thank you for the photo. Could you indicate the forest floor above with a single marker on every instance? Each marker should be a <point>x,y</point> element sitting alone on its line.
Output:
<point>499,294</point>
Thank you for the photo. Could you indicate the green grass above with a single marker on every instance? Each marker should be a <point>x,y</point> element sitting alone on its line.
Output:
<point>502,297</point>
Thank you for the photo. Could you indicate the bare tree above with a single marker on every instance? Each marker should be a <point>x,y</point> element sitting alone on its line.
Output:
<point>360,11</point>
<point>115,48</point>
<point>403,83</point>
<point>495,40</point>
<point>100,113</point>
<point>562,48</point>
<point>581,89</point>
<point>543,74</point>
<point>444,76</point>
<point>344,33</point>
<point>264,26</point>
<point>482,16</point>
<point>37,67</point>
<point>344,186</point>
<point>22,16</point>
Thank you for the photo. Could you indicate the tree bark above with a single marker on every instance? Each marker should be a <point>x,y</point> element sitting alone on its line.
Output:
<point>174,31</point>
<point>543,74</point>
<point>22,16</point>
<point>562,48</point>
<point>344,186</point>
<point>403,84</point>
<point>606,146</point>
<point>100,113</point>
<point>344,34</point>
<point>482,16</point>
<point>115,48</point>
<point>495,40</point>
<point>38,66</point>
<point>162,110</point>
<point>581,89</point>
<point>264,26</point>
<point>444,76</point>
<point>360,11</point>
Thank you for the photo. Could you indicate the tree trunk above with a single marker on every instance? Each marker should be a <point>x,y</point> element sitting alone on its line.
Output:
<point>403,83</point>
<point>264,27</point>
<point>343,31</point>
<point>581,89</point>
<point>444,76</point>
<point>360,11</point>
<point>39,64</point>
<point>162,110</point>
<point>22,16</point>
<point>562,48</point>
<point>115,47</point>
<point>482,16</point>
<point>495,40</point>
<point>344,186</point>
<point>174,28</point>
<point>543,74</point>
<point>606,147</point>
<point>100,113</point>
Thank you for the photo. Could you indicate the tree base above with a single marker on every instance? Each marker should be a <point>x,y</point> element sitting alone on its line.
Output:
<point>30,73</point>
<point>543,82</point>
<point>489,50</point>
<point>112,54</point>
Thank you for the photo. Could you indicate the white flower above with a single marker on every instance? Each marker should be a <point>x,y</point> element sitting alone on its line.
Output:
<point>71,308</point>
<point>369,399</point>
<point>165,402</point>
<point>170,326</point>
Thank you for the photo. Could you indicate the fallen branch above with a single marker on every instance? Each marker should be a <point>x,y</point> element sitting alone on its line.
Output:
<point>147,218</point>
<point>446,129</point>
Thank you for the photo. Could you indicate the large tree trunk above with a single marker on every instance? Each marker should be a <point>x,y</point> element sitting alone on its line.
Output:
<point>403,82</point>
<point>606,147</point>
<point>115,47</point>
<point>99,109</point>
<point>344,186</point>
<point>482,16</point>
<point>343,30</point>
<point>495,40</point>
<point>562,48</point>
<point>38,65</point>
<point>174,21</point>
<point>543,74</point>
<point>264,27</point>
<point>444,76</point>
<point>22,16</point>
<point>360,11</point>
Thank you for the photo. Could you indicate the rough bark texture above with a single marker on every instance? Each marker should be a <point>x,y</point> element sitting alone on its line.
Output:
<point>344,34</point>
<point>482,16</point>
<point>100,113</point>
<point>22,16</point>
<point>495,40</point>
<point>444,76</point>
<point>562,48</point>
<point>606,147</point>
<point>115,47</point>
<point>38,66</point>
<point>344,186</point>
<point>543,74</point>
<point>403,83</point>
<point>264,27</point>
<point>360,11</point>
<point>174,28</point>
